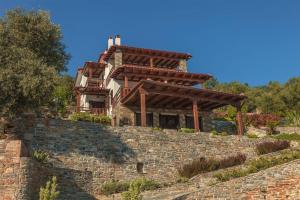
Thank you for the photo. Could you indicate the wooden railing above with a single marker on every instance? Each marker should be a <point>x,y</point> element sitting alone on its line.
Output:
<point>97,111</point>
<point>94,82</point>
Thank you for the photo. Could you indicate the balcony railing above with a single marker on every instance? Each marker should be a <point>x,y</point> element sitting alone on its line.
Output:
<point>97,111</point>
<point>94,82</point>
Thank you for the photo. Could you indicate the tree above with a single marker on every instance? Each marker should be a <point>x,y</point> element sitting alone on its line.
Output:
<point>63,93</point>
<point>31,57</point>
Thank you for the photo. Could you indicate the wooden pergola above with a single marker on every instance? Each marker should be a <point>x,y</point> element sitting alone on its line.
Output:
<point>154,94</point>
<point>146,57</point>
<point>93,69</point>
<point>137,73</point>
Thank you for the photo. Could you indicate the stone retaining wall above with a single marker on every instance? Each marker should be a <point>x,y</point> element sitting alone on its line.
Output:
<point>84,155</point>
<point>280,182</point>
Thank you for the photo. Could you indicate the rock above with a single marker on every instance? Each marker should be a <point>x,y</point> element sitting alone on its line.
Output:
<point>294,144</point>
<point>256,131</point>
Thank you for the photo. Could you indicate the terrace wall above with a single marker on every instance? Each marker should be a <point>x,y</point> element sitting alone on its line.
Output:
<point>85,155</point>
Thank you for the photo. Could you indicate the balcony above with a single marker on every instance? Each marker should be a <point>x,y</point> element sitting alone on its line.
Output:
<point>94,83</point>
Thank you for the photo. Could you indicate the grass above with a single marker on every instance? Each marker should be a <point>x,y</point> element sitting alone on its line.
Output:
<point>289,137</point>
<point>202,165</point>
<point>114,186</point>
<point>258,165</point>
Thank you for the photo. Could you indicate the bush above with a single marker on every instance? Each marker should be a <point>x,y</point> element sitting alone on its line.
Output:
<point>114,186</point>
<point>293,118</point>
<point>84,116</point>
<point>290,137</point>
<point>134,192</point>
<point>49,192</point>
<point>187,130</point>
<point>252,136</point>
<point>259,120</point>
<point>40,156</point>
<point>258,165</point>
<point>268,147</point>
<point>202,165</point>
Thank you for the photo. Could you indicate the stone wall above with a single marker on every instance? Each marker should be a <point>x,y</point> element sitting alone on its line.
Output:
<point>11,167</point>
<point>280,182</point>
<point>84,155</point>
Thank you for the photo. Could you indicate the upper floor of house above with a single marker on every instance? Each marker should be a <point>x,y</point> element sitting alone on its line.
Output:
<point>127,65</point>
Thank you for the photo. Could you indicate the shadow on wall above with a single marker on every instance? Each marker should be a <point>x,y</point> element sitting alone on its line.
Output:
<point>63,137</point>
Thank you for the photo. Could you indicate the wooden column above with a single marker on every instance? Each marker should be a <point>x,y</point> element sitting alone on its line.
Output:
<point>143,108</point>
<point>125,84</point>
<point>90,72</point>
<point>77,101</point>
<point>239,121</point>
<point>151,62</point>
<point>196,115</point>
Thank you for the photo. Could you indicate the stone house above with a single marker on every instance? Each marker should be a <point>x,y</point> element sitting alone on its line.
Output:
<point>147,87</point>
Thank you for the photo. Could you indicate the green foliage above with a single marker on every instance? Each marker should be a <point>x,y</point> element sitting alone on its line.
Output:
<point>293,118</point>
<point>49,192</point>
<point>258,164</point>
<point>40,156</point>
<point>202,165</point>
<point>31,56</point>
<point>114,186</point>
<point>289,137</point>
<point>63,94</point>
<point>272,127</point>
<point>231,114</point>
<point>156,129</point>
<point>268,147</point>
<point>85,116</point>
<point>187,130</point>
<point>134,192</point>
<point>272,98</point>
<point>252,136</point>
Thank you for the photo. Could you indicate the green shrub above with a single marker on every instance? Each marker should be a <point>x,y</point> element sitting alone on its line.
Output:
<point>214,132</point>
<point>268,147</point>
<point>40,156</point>
<point>258,165</point>
<point>272,127</point>
<point>224,134</point>
<point>49,192</point>
<point>156,129</point>
<point>84,116</point>
<point>114,186</point>
<point>253,136</point>
<point>202,165</point>
<point>134,192</point>
<point>187,130</point>
<point>290,137</point>
<point>293,118</point>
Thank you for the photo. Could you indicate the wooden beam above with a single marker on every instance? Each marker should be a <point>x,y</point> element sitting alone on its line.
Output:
<point>143,109</point>
<point>197,97</point>
<point>196,115</point>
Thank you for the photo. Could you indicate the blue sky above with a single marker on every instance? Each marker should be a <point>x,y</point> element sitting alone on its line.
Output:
<point>252,41</point>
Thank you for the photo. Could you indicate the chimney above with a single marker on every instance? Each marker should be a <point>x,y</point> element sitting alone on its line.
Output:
<point>110,42</point>
<point>118,40</point>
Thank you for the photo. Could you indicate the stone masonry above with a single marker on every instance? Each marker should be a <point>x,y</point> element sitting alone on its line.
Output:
<point>279,182</point>
<point>85,155</point>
